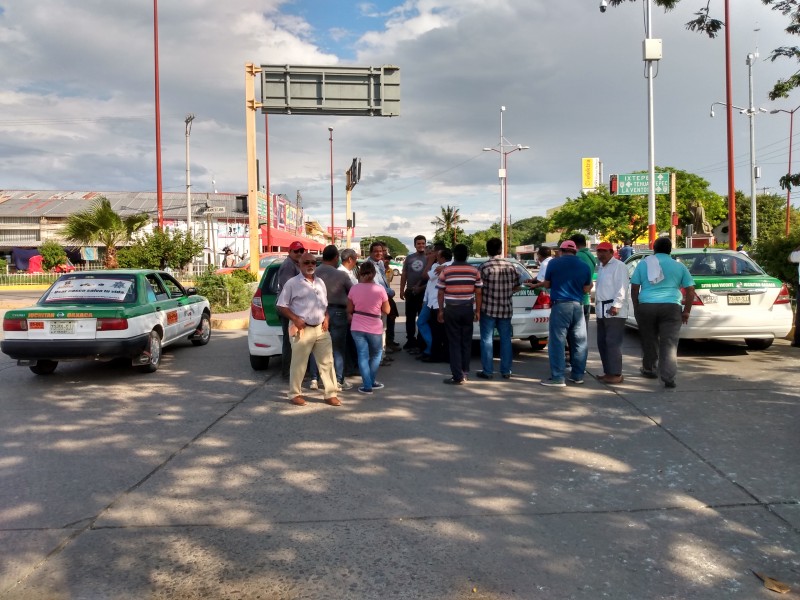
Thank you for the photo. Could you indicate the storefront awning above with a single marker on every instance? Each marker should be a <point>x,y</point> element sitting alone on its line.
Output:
<point>280,240</point>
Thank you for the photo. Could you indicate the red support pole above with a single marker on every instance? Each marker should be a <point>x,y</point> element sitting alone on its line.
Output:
<point>159,188</point>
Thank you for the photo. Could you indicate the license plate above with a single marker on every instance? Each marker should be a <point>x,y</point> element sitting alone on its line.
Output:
<point>62,327</point>
<point>738,298</point>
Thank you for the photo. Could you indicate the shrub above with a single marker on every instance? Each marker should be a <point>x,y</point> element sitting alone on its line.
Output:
<point>244,274</point>
<point>225,293</point>
<point>772,253</point>
<point>52,255</point>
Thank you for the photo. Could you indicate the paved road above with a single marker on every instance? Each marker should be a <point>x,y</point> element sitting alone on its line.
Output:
<point>201,481</point>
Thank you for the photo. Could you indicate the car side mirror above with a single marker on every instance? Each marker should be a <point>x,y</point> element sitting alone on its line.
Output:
<point>192,291</point>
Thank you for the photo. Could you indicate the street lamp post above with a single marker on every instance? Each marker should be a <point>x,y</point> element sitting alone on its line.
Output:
<point>330,139</point>
<point>189,119</point>
<point>751,112</point>
<point>503,174</point>
<point>788,187</point>
<point>159,185</point>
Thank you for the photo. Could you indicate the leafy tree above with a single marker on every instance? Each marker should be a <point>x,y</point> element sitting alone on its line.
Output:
<point>100,224</point>
<point>772,253</point>
<point>52,255</point>
<point>770,213</point>
<point>396,247</point>
<point>616,218</point>
<point>158,249</point>
<point>448,224</point>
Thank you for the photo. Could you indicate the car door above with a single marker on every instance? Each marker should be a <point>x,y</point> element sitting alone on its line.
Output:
<point>188,310</point>
<point>166,307</point>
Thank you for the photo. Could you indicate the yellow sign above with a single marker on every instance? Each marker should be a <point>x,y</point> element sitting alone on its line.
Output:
<point>590,173</point>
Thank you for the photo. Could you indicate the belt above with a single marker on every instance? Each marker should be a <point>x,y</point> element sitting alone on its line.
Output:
<point>563,301</point>
<point>337,305</point>
<point>310,325</point>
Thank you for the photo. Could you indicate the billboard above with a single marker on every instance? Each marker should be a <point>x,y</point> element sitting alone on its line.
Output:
<point>590,174</point>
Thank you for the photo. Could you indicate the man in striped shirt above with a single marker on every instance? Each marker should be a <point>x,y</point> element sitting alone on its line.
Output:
<point>459,290</point>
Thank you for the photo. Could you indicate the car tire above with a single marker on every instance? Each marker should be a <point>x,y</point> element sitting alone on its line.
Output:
<point>537,344</point>
<point>44,367</point>
<point>758,343</point>
<point>154,350</point>
<point>395,272</point>
<point>259,363</point>
<point>205,331</point>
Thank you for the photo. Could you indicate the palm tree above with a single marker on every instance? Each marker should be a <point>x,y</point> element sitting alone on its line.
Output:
<point>99,224</point>
<point>448,223</point>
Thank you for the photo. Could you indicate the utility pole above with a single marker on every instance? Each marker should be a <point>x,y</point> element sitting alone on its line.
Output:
<point>189,119</point>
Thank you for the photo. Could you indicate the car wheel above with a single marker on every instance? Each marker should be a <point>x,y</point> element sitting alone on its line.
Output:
<point>205,331</point>
<point>44,367</point>
<point>395,272</point>
<point>259,363</point>
<point>538,344</point>
<point>758,343</point>
<point>153,353</point>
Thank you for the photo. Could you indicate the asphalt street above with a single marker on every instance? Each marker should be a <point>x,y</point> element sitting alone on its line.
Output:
<point>201,481</point>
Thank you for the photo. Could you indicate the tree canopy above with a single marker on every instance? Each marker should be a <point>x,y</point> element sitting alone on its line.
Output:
<point>448,226</point>
<point>396,247</point>
<point>100,224</point>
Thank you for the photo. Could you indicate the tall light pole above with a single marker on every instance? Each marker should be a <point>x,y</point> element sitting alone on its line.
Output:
<point>159,187</point>
<point>189,119</point>
<point>650,54</point>
<point>788,187</point>
<point>751,112</point>
<point>503,174</point>
<point>330,139</point>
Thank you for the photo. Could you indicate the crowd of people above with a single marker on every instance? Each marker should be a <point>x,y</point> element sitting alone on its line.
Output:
<point>338,318</point>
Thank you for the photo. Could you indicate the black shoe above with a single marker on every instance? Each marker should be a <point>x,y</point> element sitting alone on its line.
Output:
<point>482,375</point>
<point>648,374</point>
<point>506,375</point>
<point>393,344</point>
<point>410,344</point>
<point>422,356</point>
<point>428,359</point>
<point>451,381</point>
<point>669,384</point>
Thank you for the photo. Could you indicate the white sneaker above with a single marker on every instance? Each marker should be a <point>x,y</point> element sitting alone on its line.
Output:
<point>553,383</point>
<point>313,385</point>
<point>344,386</point>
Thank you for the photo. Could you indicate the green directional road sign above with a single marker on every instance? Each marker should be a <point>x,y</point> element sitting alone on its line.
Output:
<point>634,184</point>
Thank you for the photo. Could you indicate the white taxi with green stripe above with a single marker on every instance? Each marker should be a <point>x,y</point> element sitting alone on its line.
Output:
<point>103,315</point>
<point>734,298</point>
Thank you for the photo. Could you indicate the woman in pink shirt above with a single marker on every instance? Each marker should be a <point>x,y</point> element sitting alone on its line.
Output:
<point>365,303</point>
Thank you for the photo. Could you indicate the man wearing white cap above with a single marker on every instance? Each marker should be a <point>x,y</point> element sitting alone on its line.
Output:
<point>611,300</point>
<point>568,278</point>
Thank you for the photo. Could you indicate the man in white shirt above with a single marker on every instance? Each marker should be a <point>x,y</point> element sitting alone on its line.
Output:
<point>611,308</point>
<point>349,263</point>
<point>304,302</point>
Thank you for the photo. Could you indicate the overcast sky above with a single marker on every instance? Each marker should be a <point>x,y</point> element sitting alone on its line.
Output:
<point>77,101</point>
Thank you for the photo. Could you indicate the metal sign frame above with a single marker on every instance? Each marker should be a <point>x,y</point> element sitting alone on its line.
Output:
<point>312,90</point>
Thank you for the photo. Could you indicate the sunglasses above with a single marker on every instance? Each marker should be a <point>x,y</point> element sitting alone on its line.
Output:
<point>298,251</point>
<point>309,262</point>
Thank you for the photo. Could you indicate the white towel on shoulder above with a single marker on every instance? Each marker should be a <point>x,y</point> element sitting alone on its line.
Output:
<point>654,272</point>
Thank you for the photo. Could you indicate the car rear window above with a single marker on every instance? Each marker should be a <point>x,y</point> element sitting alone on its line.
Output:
<point>100,289</point>
<point>719,264</point>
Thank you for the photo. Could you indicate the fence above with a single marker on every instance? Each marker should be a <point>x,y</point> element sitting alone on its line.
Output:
<point>186,276</point>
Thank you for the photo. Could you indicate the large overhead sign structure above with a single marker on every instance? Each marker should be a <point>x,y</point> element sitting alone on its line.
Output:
<point>302,90</point>
<point>307,90</point>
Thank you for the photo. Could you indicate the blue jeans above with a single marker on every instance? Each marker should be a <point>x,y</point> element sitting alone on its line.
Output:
<point>567,323</point>
<point>370,351</point>
<point>338,326</point>
<point>488,325</point>
<point>424,327</point>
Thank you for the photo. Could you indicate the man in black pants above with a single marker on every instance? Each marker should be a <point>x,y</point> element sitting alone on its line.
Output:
<point>460,293</point>
<point>412,290</point>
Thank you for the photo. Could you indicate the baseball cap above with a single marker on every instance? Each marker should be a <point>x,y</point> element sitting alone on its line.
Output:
<point>568,245</point>
<point>605,246</point>
<point>296,246</point>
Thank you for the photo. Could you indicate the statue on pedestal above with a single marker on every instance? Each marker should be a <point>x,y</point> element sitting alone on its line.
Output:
<point>699,223</point>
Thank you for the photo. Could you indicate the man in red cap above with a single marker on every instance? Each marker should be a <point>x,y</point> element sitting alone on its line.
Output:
<point>611,302</point>
<point>289,268</point>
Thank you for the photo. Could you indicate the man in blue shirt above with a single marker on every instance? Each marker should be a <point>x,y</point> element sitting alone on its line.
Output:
<point>568,278</point>
<point>656,286</point>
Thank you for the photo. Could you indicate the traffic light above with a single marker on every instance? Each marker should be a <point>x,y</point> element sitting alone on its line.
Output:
<point>612,185</point>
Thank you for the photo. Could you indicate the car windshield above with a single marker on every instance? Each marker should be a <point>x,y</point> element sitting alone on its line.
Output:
<point>98,288</point>
<point>728,264</point>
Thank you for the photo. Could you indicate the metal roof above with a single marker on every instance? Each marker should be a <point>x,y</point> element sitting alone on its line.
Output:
<point>50,203</point>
